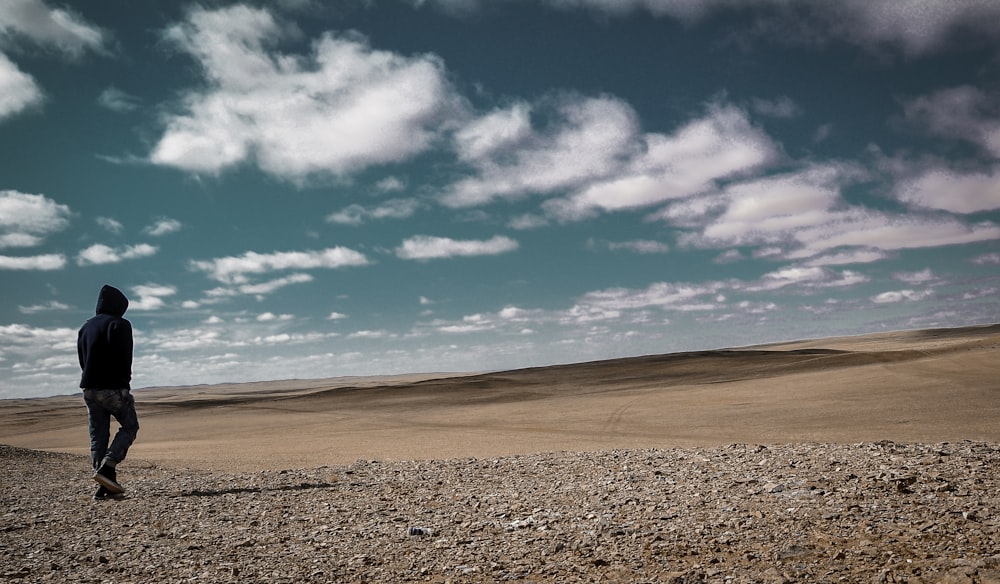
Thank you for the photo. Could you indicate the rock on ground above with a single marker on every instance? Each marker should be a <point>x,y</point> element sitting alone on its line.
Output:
<point>870,512</point>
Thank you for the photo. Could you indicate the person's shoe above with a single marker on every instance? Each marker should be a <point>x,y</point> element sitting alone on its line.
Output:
<point>107,477</point>
<point>103,494</point>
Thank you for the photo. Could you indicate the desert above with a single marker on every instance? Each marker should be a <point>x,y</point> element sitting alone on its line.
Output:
<point>857,459</point>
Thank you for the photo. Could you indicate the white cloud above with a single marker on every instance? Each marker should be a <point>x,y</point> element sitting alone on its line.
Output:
<point>585,140</point>
<point>901,296</point>
<point>806,277</point>
<point>110,224</point>
<point>103,254</point>
<point>270,317</point>
<point>391,209</point>
<point>150,296</point>
<point>500,130</point>
<point>26,219</point>
<point>341,108</point>
<point>802,214</point>
<point>24,22</point>
<point>234,269</point>
<point>259,289</point>
<point>953,191</point>
<point>642,246</point>
<point>425,247</point>
<point>720,145</point>
<point>164,226</point>
<point>117,100</point>
<point>921,277</point>
<point>18,90</point>
<point>51,306</point>
<point>47,27</point>
<point>527,221</point>
<point>962,113</point>
<point>38,262</point>
<point>336,316</point>
<point>987,259</point>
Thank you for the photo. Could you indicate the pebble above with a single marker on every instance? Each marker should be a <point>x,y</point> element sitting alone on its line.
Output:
<point>868,512</point>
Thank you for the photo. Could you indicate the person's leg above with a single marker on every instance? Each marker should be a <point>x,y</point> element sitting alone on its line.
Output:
<point>99,421</point>
<point>112,402</point>
<point>128,423</point>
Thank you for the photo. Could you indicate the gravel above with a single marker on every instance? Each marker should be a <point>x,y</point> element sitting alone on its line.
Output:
<point>869,512</point>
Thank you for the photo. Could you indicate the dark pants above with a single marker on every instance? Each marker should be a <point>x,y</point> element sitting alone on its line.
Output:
<point>102,404</point>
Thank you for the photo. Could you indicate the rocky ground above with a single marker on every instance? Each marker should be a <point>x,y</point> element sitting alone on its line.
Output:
<point>870,512</point>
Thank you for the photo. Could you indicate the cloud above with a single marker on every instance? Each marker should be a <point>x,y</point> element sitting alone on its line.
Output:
<point>117,100</point>
<point>343,107</point>
<point>425,247</point>
<point>18,90</point>
<point>336,316</point>
<point>949,190</point>
<point>45,262</point>
<point>641,246</point>
<point>391,209</point>
<point>721,145</point>
<point>781,107</point>
<point>26,219</point>
<point>103,254</point>
<point>164,226</point>
<point>32,22</point>
<point>585,139</point>
<point>234,269</point>
<point>270,317</point>
<point>259,289</point>
<point>46,27</point>
<point>150,296</point>
<point>901,296</point>
<point>914,28</point>
<point>51,306</point>
<point>802,214</point>
<point>962,113</point>
<point>110,224</point>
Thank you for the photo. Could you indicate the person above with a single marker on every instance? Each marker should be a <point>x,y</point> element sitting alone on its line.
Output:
<point>104,346</point>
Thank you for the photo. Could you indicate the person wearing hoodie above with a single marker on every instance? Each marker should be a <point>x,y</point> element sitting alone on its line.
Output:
<point>104,346</point>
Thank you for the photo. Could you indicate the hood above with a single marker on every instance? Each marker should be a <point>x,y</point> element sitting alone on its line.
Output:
<point>111,301</point>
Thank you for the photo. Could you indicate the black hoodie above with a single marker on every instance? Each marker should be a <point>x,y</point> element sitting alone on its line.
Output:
<point>104,344</point>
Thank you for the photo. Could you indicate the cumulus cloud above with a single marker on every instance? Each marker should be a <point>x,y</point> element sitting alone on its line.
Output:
<point>103,254</point>
<point>950,190</point>
<point>50,28</point>
<point>27,219</point>
<point>722,144</point>
<point>164,226</point>
<point>342,107</point>
<point>44,262</point>
<point>259,289</point>
<point>150,296</point>
<point>962,113</point>
<point>32,22</point>
<point>18,90</point>
<point>426,247</point>
<point>359,214</point>
<point>802,214</point>
<point>896,296</point>
<point>585,139</point>
<point>234,269</point>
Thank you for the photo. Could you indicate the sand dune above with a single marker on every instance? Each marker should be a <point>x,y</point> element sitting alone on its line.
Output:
<point>913,386</point>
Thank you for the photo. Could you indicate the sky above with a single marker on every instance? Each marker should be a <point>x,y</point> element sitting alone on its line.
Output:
<point>304,189</point>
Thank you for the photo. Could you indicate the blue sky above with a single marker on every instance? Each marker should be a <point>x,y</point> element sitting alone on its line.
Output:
<point>308,189</point>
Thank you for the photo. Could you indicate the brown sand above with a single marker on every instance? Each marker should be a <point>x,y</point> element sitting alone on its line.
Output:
<point>916,386</point>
